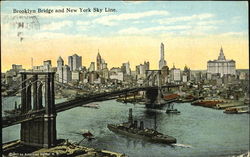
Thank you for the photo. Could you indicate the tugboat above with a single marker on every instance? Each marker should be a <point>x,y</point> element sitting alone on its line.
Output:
<point>130,129</point>
<point>171,109</point>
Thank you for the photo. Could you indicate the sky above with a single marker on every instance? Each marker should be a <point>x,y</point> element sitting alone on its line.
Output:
<point>192,32</point>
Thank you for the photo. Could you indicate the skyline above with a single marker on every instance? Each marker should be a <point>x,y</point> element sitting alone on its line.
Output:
<point>136,29</point>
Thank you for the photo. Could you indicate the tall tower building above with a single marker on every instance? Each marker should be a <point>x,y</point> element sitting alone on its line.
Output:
<point>60,64</point>
<point>98,62</point>
<point>92,67</point>
<point>126,68</point>
<point>221,65</point>
<point>75,62</point>
<point>162,61</point>
<point>66,74</point>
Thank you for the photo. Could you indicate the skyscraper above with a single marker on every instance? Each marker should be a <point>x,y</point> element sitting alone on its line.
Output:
<point>66,74</point>
<point>98,62</point>
<point>75,62</point>
<point>175,74</point>
<point>162,61</point>
<point>92,67</point>
<point>60,64</point>
<point>126,68</point>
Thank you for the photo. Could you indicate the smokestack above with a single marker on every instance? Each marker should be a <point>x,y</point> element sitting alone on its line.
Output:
<point>135,124</point>
<point>141,125</point>
<point>130,116</point>
<point>15,105</point>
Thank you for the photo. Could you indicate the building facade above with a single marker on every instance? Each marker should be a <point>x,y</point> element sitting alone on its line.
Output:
<point>74,62</point>
<point>100,62</point>
<point>126,68</point>
<point>59,72</point>
<point>141,70</point>
<point>175,74</point>
<point>66,74</point>
<point>17,67</point>
<point>221,65</point>
<point>91,67</point>
<point>117,76</point>
<point>47,65</point>
<point>75,75</point>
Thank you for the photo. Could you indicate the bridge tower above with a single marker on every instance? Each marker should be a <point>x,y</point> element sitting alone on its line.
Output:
<point>40,131</point>
<point>154,95</point>
<point>159,99</point>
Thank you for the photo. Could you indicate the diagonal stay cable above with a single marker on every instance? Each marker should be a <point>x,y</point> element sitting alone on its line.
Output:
<point>20,90</point>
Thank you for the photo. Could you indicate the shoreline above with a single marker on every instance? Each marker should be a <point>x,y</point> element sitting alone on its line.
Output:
<point>63,148</point>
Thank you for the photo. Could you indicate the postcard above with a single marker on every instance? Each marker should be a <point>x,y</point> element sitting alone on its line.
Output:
<point>125,78</point>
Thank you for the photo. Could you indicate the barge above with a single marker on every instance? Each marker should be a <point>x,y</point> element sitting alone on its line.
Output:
<point>207,103</point>
<point>171,98</point>
<point>237,110</point>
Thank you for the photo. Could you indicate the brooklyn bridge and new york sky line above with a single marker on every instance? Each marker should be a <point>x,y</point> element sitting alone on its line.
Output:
<point>192,32</point>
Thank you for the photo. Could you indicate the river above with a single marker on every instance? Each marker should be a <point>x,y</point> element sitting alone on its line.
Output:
<point>199,131</point>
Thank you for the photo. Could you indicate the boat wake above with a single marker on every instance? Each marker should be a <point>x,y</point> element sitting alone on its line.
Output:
<point>182,145</point>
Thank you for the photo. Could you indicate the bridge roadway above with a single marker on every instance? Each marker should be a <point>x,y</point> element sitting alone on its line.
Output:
<point>78,101</point>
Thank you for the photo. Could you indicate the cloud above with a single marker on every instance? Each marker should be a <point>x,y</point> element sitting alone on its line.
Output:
<point>211,22</point>
<point>185,18</point>
<point>56,25</point>
<point>83,25</point>
<point>227,34</point>
<point>137,31</point>
<point>197,30</point>
<point>112,20</point>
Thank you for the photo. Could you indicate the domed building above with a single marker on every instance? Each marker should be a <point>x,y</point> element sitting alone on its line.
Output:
<point>221,65</point>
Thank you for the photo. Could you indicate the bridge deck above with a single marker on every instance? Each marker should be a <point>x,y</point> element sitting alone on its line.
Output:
<point>74,103</point>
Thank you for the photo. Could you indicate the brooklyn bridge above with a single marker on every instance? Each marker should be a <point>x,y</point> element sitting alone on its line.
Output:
<point>38,118</point>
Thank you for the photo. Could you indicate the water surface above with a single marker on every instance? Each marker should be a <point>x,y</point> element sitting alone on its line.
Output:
<point>207,132</point>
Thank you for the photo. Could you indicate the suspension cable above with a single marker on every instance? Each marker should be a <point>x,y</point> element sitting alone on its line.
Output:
<point>21,83</point>
<point>20,90</point>
<point>65,83</point>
